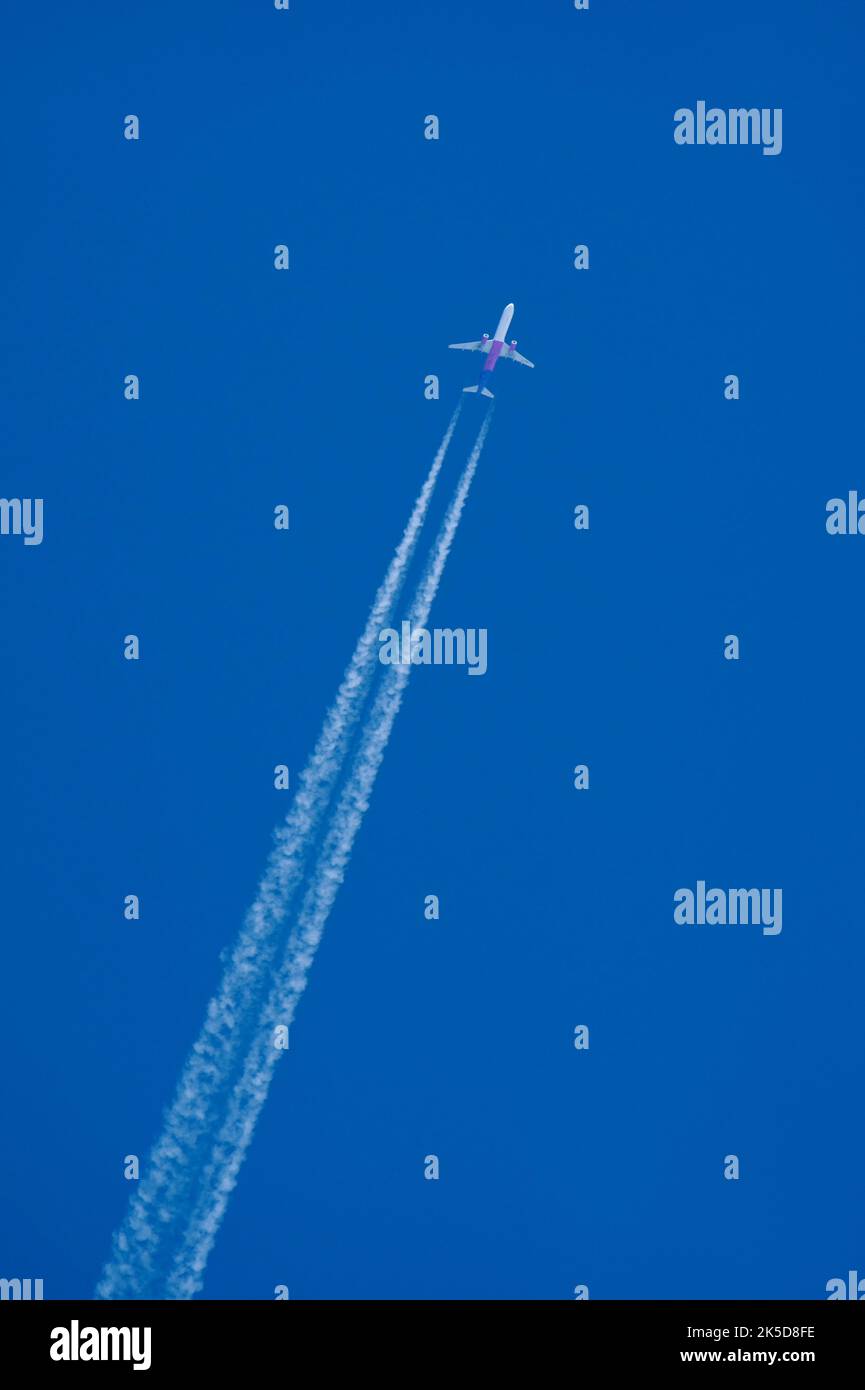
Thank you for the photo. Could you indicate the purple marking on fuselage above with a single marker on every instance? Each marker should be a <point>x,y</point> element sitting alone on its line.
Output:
<point>492,356</point>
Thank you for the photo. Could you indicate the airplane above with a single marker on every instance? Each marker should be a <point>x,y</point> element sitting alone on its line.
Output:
<point>494,348</point>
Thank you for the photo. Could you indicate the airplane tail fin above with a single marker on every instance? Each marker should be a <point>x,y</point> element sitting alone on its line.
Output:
<point>474,389</point>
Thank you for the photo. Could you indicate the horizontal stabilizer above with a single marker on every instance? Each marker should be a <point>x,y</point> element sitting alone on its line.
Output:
<point>473,390</point>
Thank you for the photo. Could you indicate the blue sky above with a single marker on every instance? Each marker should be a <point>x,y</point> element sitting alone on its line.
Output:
<point>605,648</point>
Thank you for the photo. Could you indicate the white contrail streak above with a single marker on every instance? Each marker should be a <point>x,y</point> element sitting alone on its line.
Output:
<point>250,1092</point>
<point>138,1255</point>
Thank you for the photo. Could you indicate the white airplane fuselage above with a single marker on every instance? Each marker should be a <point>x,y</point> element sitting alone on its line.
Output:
<point>498,341</point>
<point>494,348</point>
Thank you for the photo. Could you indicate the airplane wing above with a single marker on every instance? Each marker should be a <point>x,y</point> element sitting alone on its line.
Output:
<point>481,346</point>
<point>516,356</point>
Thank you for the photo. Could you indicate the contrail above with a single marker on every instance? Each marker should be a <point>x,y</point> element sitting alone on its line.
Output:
<point>250,1092</point>
<point>138,1246</point>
